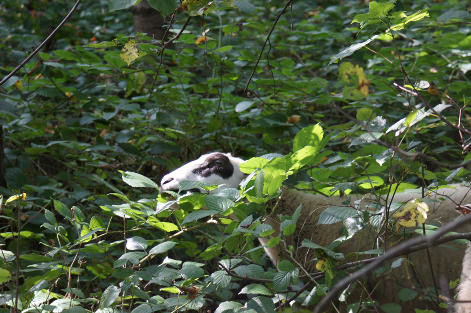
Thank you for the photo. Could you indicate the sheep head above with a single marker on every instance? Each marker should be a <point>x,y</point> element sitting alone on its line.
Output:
<point>214,168</point>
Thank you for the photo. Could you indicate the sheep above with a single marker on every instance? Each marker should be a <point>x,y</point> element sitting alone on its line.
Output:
<point>221,168</point>
<point>213,168</point>
<point>463,303</point>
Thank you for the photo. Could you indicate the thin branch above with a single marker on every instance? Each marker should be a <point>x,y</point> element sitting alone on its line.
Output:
<point>265,43</point>
<point>319,275</point>
<point>231,273</point>
<point>422,241</point>
<point>177,35</point>
<point>402,153</point>
<point>440,116</point>
<point>52,34</point>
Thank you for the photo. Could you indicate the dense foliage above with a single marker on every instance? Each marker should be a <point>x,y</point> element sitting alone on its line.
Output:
<point>379,104</point>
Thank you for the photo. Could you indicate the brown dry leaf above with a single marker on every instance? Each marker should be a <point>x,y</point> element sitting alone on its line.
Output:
<point>201,39</point>
<point>294,119</point>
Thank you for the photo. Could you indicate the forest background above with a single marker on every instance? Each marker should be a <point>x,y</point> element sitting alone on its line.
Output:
<point>380,90</point>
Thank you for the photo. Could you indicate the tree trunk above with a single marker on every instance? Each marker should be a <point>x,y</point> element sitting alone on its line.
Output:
<point>147,20</point>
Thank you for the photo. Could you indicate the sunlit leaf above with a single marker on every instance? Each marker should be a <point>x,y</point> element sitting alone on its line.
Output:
<point>412,214</point>
<point>130,52</point>
<point>138,180</point>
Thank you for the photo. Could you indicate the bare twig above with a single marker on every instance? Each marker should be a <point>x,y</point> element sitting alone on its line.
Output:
<point>440,116</point>
<point>265,43</point>
<point>319,275</point>
<point>422,241</point>
<point>231,273</point>
<point>32,54</point>
<point>177,35</point>
<point>402,153</point>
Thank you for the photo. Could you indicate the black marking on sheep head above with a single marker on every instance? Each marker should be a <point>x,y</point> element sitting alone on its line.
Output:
<point>216,163</point>
<point>214,168</point>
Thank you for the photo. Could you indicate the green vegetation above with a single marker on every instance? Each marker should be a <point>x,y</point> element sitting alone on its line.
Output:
<point>346,97</point>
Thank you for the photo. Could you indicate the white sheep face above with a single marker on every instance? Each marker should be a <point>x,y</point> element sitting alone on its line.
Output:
<point>214,168</point>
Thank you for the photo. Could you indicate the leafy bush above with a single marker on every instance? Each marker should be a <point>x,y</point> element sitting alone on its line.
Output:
<point>360,107</point>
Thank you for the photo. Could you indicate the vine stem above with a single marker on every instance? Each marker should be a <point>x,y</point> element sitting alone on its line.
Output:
<point>32,54</point>
<point>424,241</point>
<point>265,43</point>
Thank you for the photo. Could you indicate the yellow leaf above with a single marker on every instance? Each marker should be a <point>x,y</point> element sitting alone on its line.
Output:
<point>354,76</point>
<point>16,197</point>
<point>19,85</point>
<point>321,265</point>
<point>129,52</point>
<point>412,213</point>
<point>201,39</point>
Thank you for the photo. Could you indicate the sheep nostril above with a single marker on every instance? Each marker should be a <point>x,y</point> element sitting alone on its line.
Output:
<point>167,181</point>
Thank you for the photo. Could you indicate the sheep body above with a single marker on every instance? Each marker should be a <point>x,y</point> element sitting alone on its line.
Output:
<point>445,259</point>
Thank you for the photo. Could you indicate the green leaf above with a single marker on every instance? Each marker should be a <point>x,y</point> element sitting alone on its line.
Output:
<point>365,114</point>
<point>281,280</point>
<point>407,294</point>
<point>211,252</point>
<point>191,270</point>
<point>288,226</point>
<point>228,306</point>
<point>114,5</point>
<point>162,247</point>
<point>96,223</point>
<point>50,217</point>
<point>136,243</point>
<point>165,226</point>
<point>165,7</point>
<point>62,209</point>
<point>253,164</point>
<point>221,279</point>
<point>7,256</point>
<point>259,181</point>
<point>143,308</point>
<point>245,6</point>
<point>410,118</point>
<point>4,275</point>
<point>197,215</point>
<point>377,12</point>
<point>369,182</point>
<point>276,171</point>
<point>255,289</point>
<point>308,136</point>
<point>351,49</point>
<point>261,305</point>
<point>218,203</point>
<point>394,188</point>
<point>312,245</point>
<point>138,180</point>
<point>417,16</point>
<point>230,263</point>
<point>273,241</point>
<point>224,49</point>
<point>103,44</point>
<point>391,308</point>
<point>303,157</point>
<point>109,296</point>
<point>171,290</point>
<point>242,106</point>
<point>251,270</point>
<point>335,214</point>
